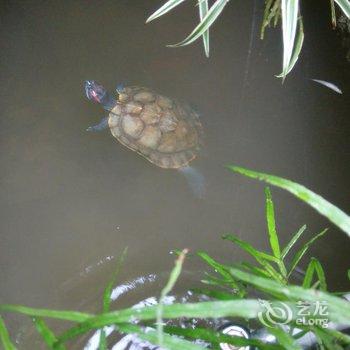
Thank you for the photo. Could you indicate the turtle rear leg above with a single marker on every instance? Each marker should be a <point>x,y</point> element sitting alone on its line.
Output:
<point>102,125</point>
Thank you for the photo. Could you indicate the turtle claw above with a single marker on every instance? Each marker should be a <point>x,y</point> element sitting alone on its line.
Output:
<point>102,125</point>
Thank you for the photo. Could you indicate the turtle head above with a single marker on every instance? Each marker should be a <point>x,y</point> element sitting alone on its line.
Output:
<point>97,93</point>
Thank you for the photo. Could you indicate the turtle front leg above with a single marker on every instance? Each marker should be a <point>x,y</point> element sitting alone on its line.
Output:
<point>102,125</point>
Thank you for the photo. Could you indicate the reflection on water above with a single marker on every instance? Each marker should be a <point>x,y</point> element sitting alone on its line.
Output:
<point>131,341</point>
<point>70,198</point>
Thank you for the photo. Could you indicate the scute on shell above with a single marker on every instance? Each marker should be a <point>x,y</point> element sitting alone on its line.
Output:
<point>133,107</point>
<point>151,113</point>
<point>164,102</point>
<point>144,97</point>
<point>132,126</point>
<point>150,137</point>
<point>168,122</point>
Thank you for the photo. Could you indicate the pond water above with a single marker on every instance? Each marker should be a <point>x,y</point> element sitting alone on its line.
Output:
<point>71,200</point>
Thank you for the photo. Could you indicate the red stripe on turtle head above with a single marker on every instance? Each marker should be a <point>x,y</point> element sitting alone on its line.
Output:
<point>94,91</point>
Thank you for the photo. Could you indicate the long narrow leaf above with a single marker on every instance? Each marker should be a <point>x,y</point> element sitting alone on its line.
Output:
<point>290,9</point>
<point>333,14</point>
<point>108,290</point>
<point>214,281</point>
<point>47,334</point>
<point>260,257</point>
<point>223,271</point>
<point>291,243</point>
<point>271,224</point>
<point>266,20</point>
<point>345,6</point>
<point>74,316</point>
<point>254,269</point>
<point>338,308</point>
<point>334,214</point>
<point>4,336</point>
<point>168,6</point>
<point>103,340</point>
<point>150,335</point>
<point>297,49</point>
<point>213,13</point>
<point>315,267</point>
<point>203,10</point>
<point>249,248</point>
<point>217,337</point>
<point>284,339</point>
<point>325,340</point>
<point>174,275</point>
<point>341,337</point>
<point>301,252</point>
<point>236,308</point>
<point>215,294</point>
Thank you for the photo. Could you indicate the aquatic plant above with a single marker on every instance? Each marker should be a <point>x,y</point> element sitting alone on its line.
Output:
<point>229,288</point>
<point>275,10</point>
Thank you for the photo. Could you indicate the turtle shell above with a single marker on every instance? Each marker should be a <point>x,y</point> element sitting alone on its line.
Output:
<point>162,130</point>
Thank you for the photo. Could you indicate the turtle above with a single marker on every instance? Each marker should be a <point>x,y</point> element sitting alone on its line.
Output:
<point>163,130</point>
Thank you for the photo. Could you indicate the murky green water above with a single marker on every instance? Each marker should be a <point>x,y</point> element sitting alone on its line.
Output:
<point>70,200</point>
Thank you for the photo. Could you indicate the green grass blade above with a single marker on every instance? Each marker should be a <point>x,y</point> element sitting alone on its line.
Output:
<point>5,337</point>
<point>47,334</point>
<point>257,254</point>
<point>108,291</point>
<point>334,214</point>
<point>325,340</point>
<point>297,49</point>
<point>260,257</point>
<point>339,336</point>
<point>223,271</point>
<point>217,337</point>
<point>333,14</point>
<point>284,339</point>
<point>338,308</point>
<point>254,269</point>
<point>213,13</point>
<point>213,309</point>
<point>271,224</point>
<point>290,9</point>
<point>301,252</point>
<point>215,294</point>
<point>291,243</point>
<point>315,267</point>
<point>103,340</point>
<point>174,275</point>
<point>107,297</point>
<point>214,281</point>
<point>203,10</point>
<point>74,316</point>
<point>345,6</point>
<point>321,275</point>
<point>309,274</point>
<point>265,21</point>
<point>168,6</point>
<point>150,335</point>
